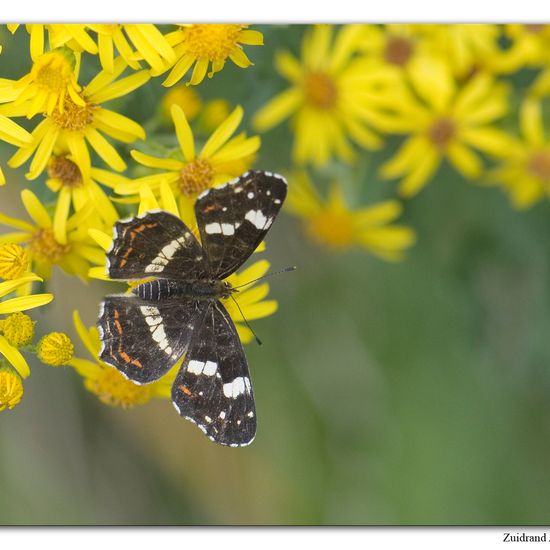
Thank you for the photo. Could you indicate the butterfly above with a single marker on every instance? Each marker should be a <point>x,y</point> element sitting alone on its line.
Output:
<point>179,310</point>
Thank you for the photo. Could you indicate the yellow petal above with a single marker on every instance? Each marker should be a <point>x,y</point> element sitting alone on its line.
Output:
<point>13,355</point>
<point>84,335</point>
<point>222,133</point>
<point>61,214</point>
<point>155,162</point>
<point>278,109</point>
<point>101,238</point>
<point>420,174</point>
<point>22,303</point>
<point>35,209</point>
<point>9,286</point>
<point>105,150</point>
<point>183,132</point>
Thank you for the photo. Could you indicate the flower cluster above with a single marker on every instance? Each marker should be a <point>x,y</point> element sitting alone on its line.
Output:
<point>99,163</point>
<point>362,106</point>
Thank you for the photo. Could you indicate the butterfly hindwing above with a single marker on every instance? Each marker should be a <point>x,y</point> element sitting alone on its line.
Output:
<point>156,244</point>
<point>213,388</point>
<point>234,218</point>
<point>143,339</point>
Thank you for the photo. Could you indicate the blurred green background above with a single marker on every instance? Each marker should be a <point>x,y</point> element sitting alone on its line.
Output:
<point>408,393</point>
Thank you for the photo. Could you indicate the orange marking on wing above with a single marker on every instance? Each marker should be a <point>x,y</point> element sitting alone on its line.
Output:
<point>137,363</point>
<point>125,356</point>
<point>185,390</point>
<point>118,326</point>
<point>210,208</point>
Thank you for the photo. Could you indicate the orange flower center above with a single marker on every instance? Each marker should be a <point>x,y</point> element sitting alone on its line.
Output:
<point>442,132</point>
<point>66,171</point>
<point>44,247</point>
<point>213,42</point>
<point>331,229</point>
<point>535,29</point>
<point>538,165</point>
<point>195,177</point>
<point>398,50</point>
<point>74,117</point>
<point>113,389</point>
<point>320,90</point>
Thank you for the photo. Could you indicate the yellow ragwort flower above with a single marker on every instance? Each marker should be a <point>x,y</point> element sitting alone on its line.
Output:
<point>525,169</point>
<point>55,349</point>
<point>208,46</point>
<point>66,179</point>
<point>530,46</point>
<point>221,159</point>
<point>183,96</point>
<point>18,328</point>
<point>106,382</point>
<point>14,305</point>
<point>149,43</point>
<point>75,126</point>
<point>51,78</point>
<point>332,98</point>
<point>444,120</point>
<point>251,299</point>
<point>466,48</point>
<point>72,35</point>
<point>63,241</point>
<point>11,387</point>
<point>14,261</point>
<point>333,224</point>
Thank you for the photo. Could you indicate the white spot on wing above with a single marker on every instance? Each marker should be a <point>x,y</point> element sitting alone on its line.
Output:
<point>257,219</point>
<point>228,229</point>
<point>195,367</point>
<point>250,195</point>
<point>240,385</point>
<point>222,415</point>
<point>210,368</point>
<point>213,228</point>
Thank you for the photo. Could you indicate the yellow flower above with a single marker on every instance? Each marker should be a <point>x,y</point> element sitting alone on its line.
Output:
<point>62,241</point>
<point>333,224</point>
<point>66,178</point>
<point>207,46</point>
<point>10,132</point>
<point>184,97</point>
<point>11,387</point>
<point>50,80</point>
<point>18,328</point>
<point>14,305</point>
<point>530,46</point>
<point>465,47</point>
<point>391,46</point>
<point>149,42</point>
<point>443,120</point>
<point>525,169</point>
<point>213,114</point>
<point>75,127</point>
<point>14,261</point>
<point>332,98</point>
<point>72,35</point>
<point>221,159</point>
<point>55,349</point>
<point>106,382</point>
<point>251,299</point>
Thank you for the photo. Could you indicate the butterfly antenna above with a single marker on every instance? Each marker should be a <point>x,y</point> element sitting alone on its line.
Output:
<point>285,270</point>
<point>245,321</point>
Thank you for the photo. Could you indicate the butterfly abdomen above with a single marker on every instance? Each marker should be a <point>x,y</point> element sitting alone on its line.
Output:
<point>164,289</point>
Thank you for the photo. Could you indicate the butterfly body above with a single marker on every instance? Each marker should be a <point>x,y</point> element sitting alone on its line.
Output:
<point>166,289</point>
<point>180,311</point>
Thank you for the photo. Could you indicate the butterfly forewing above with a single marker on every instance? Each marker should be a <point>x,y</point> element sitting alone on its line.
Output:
<point>213,387</point>
<point>156,244</point>
<point>234,218</point>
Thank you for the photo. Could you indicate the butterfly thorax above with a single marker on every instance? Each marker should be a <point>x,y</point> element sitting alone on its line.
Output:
<point>201,289</point>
